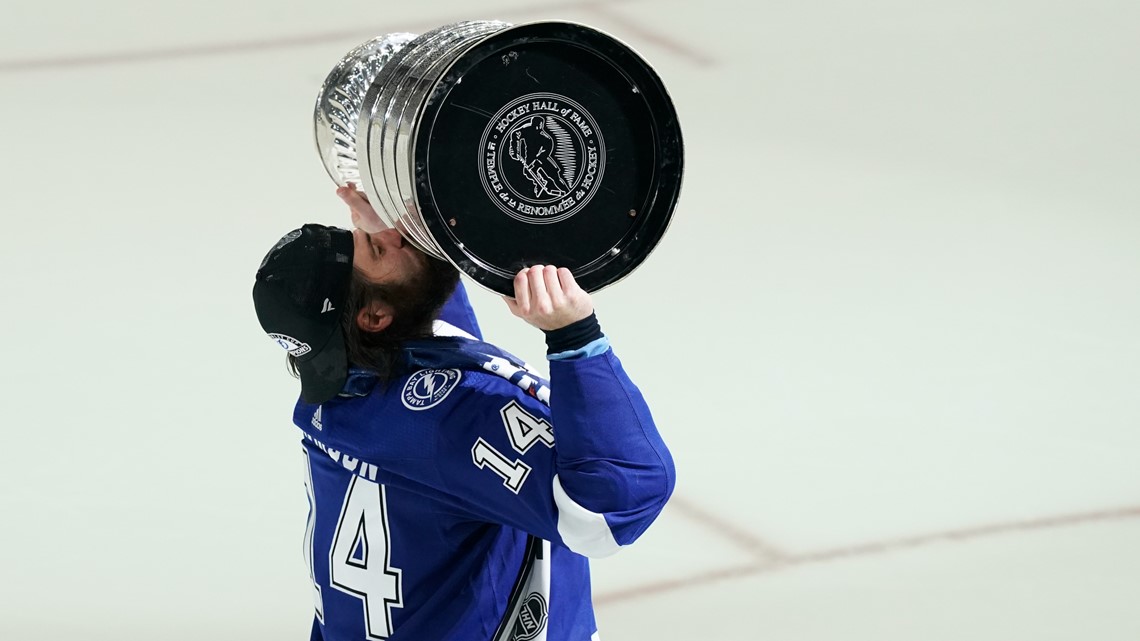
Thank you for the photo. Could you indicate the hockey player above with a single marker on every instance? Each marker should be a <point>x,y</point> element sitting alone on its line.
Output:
<point>453,493</point>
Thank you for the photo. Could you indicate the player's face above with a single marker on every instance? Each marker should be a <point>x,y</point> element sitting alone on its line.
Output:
<point>384,257</point>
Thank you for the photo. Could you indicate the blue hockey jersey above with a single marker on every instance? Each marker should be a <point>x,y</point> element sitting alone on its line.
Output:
<point>460,501</point>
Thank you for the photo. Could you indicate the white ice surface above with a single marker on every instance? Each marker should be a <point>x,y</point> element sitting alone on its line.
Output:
<point>901,298</point>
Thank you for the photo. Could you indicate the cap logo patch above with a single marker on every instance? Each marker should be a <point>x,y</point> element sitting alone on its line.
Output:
<point>291,345</point>
<point>428,387</point>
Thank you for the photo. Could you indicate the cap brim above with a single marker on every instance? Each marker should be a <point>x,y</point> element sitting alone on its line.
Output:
<point>324,373</point>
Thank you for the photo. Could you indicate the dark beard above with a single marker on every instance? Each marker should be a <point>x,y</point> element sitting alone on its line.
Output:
<point>415,304</point>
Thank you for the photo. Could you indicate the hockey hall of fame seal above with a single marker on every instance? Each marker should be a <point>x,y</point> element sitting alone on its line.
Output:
<point>541,158</point>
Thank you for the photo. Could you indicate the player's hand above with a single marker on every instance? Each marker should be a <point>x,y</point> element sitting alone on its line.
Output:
<point>549,298</point>
<point>363,215</point>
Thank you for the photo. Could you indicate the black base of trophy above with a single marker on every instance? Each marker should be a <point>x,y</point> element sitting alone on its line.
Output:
<point>548,143</point>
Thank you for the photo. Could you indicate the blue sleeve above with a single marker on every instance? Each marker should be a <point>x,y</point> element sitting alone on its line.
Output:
<point>612,460</point>
<point>591,471</point>
<point>457,311</point>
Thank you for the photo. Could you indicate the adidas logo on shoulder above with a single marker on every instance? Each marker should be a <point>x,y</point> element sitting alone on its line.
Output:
<point>316,420</point>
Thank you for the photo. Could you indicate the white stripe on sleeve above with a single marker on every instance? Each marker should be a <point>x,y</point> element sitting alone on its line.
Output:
<point>583,531</point>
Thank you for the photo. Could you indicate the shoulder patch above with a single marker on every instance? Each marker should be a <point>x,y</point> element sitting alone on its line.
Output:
<point>428,387</point>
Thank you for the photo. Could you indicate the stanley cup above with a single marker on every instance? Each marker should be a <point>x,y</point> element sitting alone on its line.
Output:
<point>495,146</point>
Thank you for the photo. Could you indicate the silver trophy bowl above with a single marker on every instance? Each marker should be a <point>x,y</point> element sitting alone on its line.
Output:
<point>340,102</point>
<point>366,116</point>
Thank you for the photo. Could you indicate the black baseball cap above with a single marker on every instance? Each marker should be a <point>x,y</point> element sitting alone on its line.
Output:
<point>300,294</point>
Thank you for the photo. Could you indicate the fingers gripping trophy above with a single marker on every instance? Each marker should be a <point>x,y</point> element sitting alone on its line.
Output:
<point>496,147</point>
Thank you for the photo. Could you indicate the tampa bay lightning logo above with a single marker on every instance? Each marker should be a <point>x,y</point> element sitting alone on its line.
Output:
<point>428,387</point>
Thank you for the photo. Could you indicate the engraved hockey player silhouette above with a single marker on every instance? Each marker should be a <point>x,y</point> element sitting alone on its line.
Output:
<point>533,146</point>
